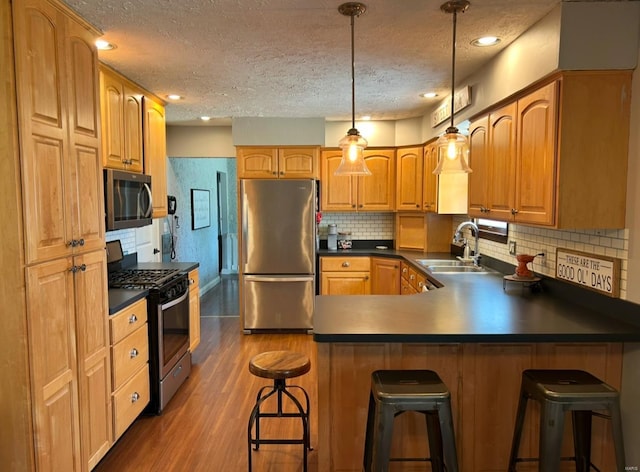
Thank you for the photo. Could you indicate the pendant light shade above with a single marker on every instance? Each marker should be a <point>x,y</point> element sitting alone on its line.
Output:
<point>453,148</point>
<point>353,144</point>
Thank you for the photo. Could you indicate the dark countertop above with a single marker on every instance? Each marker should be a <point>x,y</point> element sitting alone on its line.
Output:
<point>469,308</point>
<point>121,298</point>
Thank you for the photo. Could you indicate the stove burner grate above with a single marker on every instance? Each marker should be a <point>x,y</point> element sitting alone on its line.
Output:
<point>141,278</point>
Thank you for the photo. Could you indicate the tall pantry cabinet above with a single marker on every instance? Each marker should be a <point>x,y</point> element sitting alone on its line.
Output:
<point>56,70</point>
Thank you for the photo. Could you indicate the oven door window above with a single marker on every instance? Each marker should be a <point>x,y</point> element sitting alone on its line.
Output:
<point>175,331</point>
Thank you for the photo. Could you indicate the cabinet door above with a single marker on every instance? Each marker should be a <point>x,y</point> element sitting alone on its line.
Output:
<point>94,361</point>
<point>52,352</point>
<point>430,180</point>
<point>42,114</point>
<point>194,310</point>
<point>298,163</point>
<point>409,162</point>
<point>502,162</point>
<point>155,154</point>
<point>345,283</point>
<point>132,145</point>
<point>376,191</point>
<point>85,183</point>
<point>385,276</point>
<point>479,163</point>
<point>536,156</point>
<point>337,192</point>
<point>257,163</point>
<point>112,114</point>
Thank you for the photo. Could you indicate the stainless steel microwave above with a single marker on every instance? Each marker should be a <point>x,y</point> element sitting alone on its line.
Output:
<point>127,198</point>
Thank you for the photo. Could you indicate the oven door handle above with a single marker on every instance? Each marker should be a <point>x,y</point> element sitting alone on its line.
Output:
<point>176,301</point>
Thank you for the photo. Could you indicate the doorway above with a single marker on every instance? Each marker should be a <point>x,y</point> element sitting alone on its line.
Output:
<point>221,180</point>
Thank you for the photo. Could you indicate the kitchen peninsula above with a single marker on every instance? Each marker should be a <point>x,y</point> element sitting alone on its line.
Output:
<point>479,337</point>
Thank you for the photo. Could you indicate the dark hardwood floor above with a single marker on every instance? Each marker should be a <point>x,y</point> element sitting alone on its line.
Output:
<point>204,427</point>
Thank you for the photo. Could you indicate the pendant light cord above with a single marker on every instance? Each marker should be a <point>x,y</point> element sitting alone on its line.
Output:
<point>453,66</point>
<point>353,74</point>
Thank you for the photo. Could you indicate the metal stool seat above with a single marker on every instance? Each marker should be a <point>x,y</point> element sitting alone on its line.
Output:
<point>279,366</point>
<point>559,391</point>
<point>394,392</point>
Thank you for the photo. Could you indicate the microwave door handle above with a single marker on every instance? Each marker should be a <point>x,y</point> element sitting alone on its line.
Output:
<point>149,210</point>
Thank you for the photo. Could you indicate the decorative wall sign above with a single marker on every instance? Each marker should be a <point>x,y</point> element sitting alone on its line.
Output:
<point>594,272</point>
<point>200,211</point>
<point>461,100</point>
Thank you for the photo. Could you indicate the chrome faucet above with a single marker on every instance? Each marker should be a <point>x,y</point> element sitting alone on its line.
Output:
<point>457,238</point>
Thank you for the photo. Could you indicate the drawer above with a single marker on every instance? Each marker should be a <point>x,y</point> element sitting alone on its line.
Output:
<point>128,320</point>
<point>194,279</point>
<point>404,270</point>
<point>129,401</point>
<point>413,277</point>
<point>421,281</point>
<point>344,264</point>
<point>129,355</point>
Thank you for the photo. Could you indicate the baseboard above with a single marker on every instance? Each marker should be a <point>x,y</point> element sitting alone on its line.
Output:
<point>210,286</point>
<point>229,271</point>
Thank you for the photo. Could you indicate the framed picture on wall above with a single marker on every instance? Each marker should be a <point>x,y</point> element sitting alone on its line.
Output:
<point>200,209</point>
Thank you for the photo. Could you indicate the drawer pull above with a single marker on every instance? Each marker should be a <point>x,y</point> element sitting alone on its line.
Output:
<point>411,277</point>
<point>345,264</point>
<point>133,319</point>
<point>134,353</point>
<point>135,396</point>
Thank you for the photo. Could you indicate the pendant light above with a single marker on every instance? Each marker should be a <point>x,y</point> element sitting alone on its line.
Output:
<point>353,143</point>
<point>453,147</point>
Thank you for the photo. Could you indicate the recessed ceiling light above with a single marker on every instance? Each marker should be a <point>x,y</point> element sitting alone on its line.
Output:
<point>365,118</point>
<point>103,45</point>
<point>486,41</point>
<point>174,96</point>
<point>429,95</point>
<point>205,118</point>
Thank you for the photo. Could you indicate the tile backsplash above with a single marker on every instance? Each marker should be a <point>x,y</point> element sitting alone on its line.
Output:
<point>534,240</point>
<point>127,239</point>
<point>363,225</point>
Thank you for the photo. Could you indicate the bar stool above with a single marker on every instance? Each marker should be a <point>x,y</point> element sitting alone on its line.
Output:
<point>279,366</point>
<point>559,391</point>
<point>394,392</point>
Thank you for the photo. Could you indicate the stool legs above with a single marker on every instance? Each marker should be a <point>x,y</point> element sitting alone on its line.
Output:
<point>616,427</point>
<point>280,388</point>
<point>582,439</point>
<point>448,438</point>
<point>551,431</point>
<point>517,431</point>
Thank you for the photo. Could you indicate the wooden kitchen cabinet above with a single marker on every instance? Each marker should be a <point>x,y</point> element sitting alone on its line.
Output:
<point>409,176</point>
<point>557,155</point>
<point>385,276</point>
<point>374,192</point>
<point>194,309</point>
<point>58,101</point>
<point>423,232</point>
<point>130,365</point>
<point>277,163</point>
<point>345,275</point>
<point>429,179</point>
<point>155,153</point>
<point>121,111</point>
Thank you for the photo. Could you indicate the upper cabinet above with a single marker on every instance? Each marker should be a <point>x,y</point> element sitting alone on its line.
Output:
<point>155,153</point>
<point>557,155</point>
<point>358,193</point>
<point>121,105</point>
<point>409,163</point>
<point>277,163</point>
<point>56,64</point>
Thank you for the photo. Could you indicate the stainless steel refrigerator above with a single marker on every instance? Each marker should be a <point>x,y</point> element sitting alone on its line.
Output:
<point>278,253</point>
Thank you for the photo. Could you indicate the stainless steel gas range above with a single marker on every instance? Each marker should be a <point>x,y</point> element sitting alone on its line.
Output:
<point>168,324</point>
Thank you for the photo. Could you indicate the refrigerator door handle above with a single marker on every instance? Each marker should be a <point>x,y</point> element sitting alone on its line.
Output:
<point>245,219</point>
<point>261,278</point>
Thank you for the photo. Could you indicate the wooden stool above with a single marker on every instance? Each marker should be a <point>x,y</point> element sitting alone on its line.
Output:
<point>392,393</point>
<point>559,391</point>
<point>279,366</point>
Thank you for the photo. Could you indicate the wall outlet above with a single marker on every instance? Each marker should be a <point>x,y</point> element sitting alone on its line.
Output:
<point>512,248</point>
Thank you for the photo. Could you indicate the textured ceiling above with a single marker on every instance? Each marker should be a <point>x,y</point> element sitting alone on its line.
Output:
<point>292,58</point>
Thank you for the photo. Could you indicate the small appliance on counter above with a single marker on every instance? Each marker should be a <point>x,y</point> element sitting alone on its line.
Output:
<point>344,240</point>
<point>332,237</point>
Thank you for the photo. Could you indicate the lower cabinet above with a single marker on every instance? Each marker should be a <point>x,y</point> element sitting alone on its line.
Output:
<point>345,276</point>
<point>194,309</point>
<point>385,276</point>
<point>129,365</point>
<point>411,281</point>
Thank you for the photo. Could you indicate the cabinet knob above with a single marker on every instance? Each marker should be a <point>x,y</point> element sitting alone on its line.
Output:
<point>135,396</point>
<point>281,172</point>
<point>133,319</point>
<point>411,277</point>
<point>134,353</point>
<point>360,206</point>
<point>366,277</point>
<point>514,211</point>
<point>345,264</point>
<point>274,173</point>
<point>404,270</point>
<point>353,206</point>
<point>417,206</point>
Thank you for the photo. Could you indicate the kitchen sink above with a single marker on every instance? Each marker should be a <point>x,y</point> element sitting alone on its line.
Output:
<point>448,266</point>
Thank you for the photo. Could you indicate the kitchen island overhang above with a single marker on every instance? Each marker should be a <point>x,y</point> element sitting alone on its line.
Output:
<point>479,338</point>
